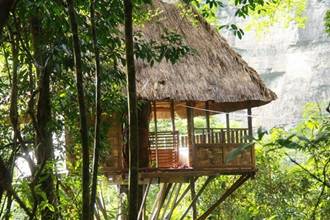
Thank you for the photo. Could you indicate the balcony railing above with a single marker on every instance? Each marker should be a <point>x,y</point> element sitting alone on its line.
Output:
<point>210,148</point>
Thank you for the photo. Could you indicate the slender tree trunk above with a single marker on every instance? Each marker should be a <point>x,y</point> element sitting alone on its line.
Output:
<point>45,149</point>
<point>132,113</point>
<point>82,112</point>
<point>98,112</point>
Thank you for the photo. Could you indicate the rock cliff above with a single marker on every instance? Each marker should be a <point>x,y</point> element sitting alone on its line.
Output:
<point>293,62</point>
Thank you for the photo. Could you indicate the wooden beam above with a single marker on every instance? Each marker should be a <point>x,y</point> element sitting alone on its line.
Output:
<point>237,184</point>
<point>193,202</point>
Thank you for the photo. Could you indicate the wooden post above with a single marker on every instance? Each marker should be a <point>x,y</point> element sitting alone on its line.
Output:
<point>172,115</point>
<point>207,117</point>
<point>173,131</point>
<point>228,128</point>
<point>193,195</point>
<point>191,141</point>
<point>249,112</point>
<point>156,136</point>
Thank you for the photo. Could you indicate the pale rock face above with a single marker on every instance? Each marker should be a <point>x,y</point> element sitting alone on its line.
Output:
<point>294,63</point>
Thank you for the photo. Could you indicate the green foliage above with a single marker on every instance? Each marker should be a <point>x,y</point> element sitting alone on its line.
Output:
<point>327,22</point>
<point>293,175</point>
<point>265,16</point>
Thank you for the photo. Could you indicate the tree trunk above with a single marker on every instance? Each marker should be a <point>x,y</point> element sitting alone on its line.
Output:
<point>98,113</point>
<point>82,111</point>
<point>45,149</point>
<point>132,113</point>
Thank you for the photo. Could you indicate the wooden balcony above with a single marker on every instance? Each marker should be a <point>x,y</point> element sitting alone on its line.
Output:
<point>169,156</point>
<point>209,149</point>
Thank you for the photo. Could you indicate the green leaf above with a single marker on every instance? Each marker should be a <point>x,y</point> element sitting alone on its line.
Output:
<point>323,136</point>
<point>234,27</point>
<point>237,151</point>
<point>249,138</point>
<point>293,145</point>
<point>303,138</point>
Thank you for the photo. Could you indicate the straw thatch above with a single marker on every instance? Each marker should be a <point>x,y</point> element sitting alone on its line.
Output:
<point>217,74</point>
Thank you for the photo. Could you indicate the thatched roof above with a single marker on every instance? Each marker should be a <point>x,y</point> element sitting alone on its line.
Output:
<point>218,74</point>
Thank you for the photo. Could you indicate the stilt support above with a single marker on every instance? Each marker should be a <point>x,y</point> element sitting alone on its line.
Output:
<point>169,214</point>
<point>237,184</point>
<point>144,199</point>
<point>193,202</point>
<point>160,200</point>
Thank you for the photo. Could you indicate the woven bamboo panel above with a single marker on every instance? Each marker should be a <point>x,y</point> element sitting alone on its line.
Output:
<point>213,155</point>
<point>209,156</point>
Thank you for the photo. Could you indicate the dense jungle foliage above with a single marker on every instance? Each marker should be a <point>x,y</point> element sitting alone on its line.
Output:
<point>60,64</point>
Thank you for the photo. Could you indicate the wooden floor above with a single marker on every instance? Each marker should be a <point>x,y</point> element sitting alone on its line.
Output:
<point>172,175</point>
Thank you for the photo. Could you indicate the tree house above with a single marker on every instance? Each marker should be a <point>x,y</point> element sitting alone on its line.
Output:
<point>216,80</point>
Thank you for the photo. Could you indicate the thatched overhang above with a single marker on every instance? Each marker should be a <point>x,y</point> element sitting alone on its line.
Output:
<point>217,74</point>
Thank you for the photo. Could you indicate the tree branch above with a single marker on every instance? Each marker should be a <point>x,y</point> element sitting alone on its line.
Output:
<point>311,174</point>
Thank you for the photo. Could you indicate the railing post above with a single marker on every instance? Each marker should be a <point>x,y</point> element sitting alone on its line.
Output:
<point>207,116</point>
<point>228,127</point>
<point>249,112</point>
